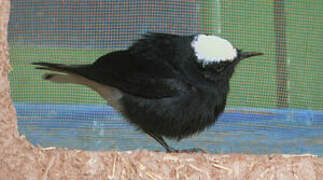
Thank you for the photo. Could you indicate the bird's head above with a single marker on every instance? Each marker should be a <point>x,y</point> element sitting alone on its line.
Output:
<point>218,55</point>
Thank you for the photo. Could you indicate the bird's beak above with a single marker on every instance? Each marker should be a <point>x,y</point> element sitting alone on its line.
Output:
<point>244,55</point>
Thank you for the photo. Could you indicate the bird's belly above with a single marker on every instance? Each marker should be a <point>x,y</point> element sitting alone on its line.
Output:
<point>171,117</point>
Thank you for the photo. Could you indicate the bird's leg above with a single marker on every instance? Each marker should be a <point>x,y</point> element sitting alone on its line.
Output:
<point>162,142</point>
<point>169,149</point>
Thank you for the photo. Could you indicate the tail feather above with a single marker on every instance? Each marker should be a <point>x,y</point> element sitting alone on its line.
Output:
<point>64,78</point>
<point>52,67</point>
<point>59,67</point>
<point>72,72</point>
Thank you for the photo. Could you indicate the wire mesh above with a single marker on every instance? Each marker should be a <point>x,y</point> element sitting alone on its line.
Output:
<point>289,76</point>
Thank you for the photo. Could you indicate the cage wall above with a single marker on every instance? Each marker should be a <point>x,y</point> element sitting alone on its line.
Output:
<point>75,32</point>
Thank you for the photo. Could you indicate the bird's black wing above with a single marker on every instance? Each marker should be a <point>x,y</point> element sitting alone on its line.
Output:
<point>131,74</point>
<point>136,75</point>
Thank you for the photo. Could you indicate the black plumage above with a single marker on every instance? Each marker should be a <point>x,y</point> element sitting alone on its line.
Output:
<point>164,90</point>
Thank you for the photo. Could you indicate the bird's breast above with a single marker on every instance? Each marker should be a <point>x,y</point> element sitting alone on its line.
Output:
<point>173,117</point>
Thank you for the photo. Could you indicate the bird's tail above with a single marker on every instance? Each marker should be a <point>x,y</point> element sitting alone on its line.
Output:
<point>58,67</point>
<point>71,72</point>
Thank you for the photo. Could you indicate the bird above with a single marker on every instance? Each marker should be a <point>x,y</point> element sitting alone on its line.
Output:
<point>166,85</point>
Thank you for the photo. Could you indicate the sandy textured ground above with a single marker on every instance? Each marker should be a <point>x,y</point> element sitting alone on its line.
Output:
<point>21,160</point>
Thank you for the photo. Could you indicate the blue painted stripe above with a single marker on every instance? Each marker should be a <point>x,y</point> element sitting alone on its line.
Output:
<point>65,115</point>
<point>99,127</point>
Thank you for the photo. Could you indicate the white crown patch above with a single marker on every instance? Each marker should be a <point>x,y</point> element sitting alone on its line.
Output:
<point>211,49</point>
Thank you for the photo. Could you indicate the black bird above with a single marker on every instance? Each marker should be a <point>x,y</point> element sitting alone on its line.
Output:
<point>168,86</point>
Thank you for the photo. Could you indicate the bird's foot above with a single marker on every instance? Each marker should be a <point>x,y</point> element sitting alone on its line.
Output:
<point>193,150</point>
